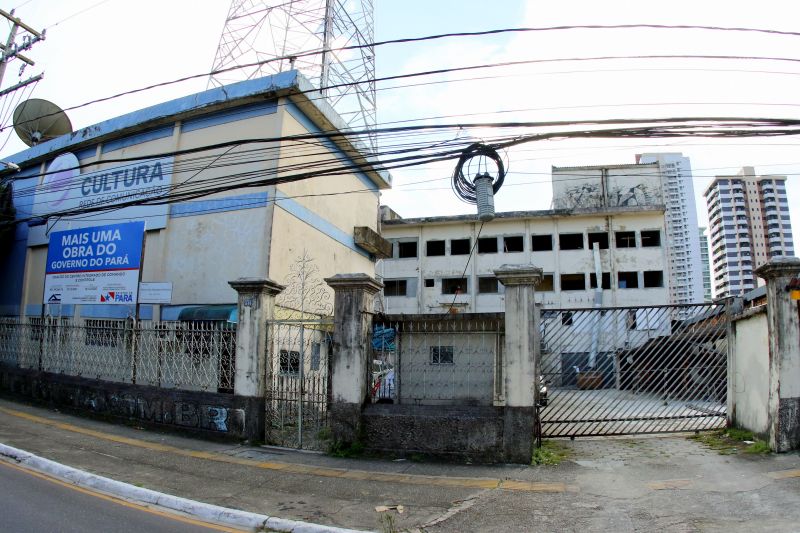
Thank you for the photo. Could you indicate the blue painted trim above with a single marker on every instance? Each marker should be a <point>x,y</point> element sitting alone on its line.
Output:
<point>312,128</point>
<point>33,310</point>
<point>232,115</point>
<point>222,96</point>
<point>138,138</point>
<point>116,311</point>
<point>171,312</point>
<point>86,153</point>
<point>317,222</point>
<point>218,205</point>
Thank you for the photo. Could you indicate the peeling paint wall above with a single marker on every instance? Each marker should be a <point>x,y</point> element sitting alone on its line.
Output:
<point>750,373</point>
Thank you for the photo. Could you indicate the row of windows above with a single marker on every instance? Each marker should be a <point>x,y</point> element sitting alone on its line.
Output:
<point>408,248</point>
<point>567,282</point>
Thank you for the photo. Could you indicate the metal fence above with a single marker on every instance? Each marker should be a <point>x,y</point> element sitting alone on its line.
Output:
<point>297,389</point>
<point>634,370</point>
<point>439,361</point>
<point>181,355</point>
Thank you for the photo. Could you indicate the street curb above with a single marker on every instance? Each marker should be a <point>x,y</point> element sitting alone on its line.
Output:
<point>200,510</point>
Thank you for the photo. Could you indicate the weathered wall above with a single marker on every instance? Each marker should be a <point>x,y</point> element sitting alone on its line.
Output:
<point>750,372</point>
<point>201,413</point>
<point>457,431</point>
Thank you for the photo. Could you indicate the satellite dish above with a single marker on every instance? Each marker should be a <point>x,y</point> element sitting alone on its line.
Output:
<point>38,120</point>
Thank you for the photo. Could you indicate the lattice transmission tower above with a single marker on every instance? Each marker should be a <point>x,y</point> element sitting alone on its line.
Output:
<point>265,37</point>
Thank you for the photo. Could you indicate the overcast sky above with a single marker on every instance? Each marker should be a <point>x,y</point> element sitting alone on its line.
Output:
<point>119,45</point>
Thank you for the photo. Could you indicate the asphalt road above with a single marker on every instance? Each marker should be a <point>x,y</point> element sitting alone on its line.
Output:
<point>36,503</point>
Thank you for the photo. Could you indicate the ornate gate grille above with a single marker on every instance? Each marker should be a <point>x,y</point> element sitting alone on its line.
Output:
<point>297,393</point>
<point>616,371</point>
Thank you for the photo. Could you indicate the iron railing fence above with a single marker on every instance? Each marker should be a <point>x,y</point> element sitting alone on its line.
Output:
<point>297,388</point>
<point>634,370</point>
<point>439,361</point>
<point>180,355</point>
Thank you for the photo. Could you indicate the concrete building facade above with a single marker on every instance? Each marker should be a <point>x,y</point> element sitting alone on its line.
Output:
<point>430,256</point>
<point>706,264</point>
<point>749,225</point>
<point>255,130</point>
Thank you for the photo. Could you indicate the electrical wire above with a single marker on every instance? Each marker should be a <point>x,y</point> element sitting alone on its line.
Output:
<point>464,274</point>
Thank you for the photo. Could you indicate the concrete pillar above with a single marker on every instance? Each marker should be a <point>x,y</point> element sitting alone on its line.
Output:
<point>350,364</point>
<point>256,306</point>
<point>520,359</point>
<point>783,319</point>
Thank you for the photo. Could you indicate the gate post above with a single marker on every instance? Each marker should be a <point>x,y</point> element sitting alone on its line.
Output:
<point>520,359</point>
<point>783,319</point>
<point>350,366</point>
<point>256,305</point>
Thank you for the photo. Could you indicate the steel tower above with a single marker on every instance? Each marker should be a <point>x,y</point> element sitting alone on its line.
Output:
<point>265,37</point>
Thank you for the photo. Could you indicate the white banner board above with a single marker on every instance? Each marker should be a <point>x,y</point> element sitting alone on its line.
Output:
<point>155,292</point>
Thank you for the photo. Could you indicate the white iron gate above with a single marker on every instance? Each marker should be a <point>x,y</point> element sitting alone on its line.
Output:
<point>297,382</point>
<point>614,371</point>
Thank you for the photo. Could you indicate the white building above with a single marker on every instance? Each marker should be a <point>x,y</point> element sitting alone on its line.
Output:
<point>685,263</point>
<point>704,260</point>
<point>750,224</point>
<point>442,264</point>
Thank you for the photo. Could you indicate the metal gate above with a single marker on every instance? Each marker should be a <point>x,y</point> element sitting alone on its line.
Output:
<point>617,371</point>
<point>297,383</point>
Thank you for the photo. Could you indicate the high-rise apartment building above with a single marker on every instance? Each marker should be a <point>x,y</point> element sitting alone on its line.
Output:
<point>685,266</point>
<point>750,224</point>
<point>707,296</point>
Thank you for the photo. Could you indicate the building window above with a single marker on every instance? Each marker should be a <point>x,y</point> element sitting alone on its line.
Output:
<point>653,278</point>
<point>625,239</point>
<point>600,238</point>
<point>315,351</point>
<point>459,247</point>
<point>573,282</point>
<point>395,287</point>
<point>429,282</point>
<point>628,280</point>
<point>103,332</point>
<point>513,244</point>
<point>454,286</point>
<point>651,238</point>
<point>290,362</point>
<point>570,241</point>
<point>566,318</point>
<point>406,249</point>
<point>605,279</point>
<point>488,285</point>
<point>541,243</point>
<point>434,248</point>
<point>442,355</point>
<point>547,283</point>
<point>487,245</point>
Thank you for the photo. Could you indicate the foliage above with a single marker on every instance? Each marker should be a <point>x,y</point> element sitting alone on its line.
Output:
<point>550,453</point>
<point>731,441</point>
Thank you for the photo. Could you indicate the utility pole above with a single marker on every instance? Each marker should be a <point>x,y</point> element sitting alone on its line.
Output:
<point>11,49</point>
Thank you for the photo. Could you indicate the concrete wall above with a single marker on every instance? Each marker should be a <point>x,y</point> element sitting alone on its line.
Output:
<point>422,299</point>
<point>750,372</point>
<point>611,186</point>
<point>198,413</point>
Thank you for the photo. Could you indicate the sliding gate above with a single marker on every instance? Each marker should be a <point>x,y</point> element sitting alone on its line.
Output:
<point>617,371</point>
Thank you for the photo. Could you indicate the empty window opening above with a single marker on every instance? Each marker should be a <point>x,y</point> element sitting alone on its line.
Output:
<point>566,318</point>
<point>407,249</point>
<point>454,286</point>
<point>487,245</point>
<point>290,362</point>
<point>570,241</point>
<point>442,355</point>
<point>653,278</point>
<point>459,247</point>
<point>429,282</point>
<point>600,238</point>
<point>573,282</point>
<point>605,278</point>
<point>395,287</point>
<point>488,285</point>
<point>627,280</point>
<point>625,239</point>
<point>434,248</point>
<point>547,284</point>
<point>541,243</point>
<point>513,244</point>
<point>651,238</point>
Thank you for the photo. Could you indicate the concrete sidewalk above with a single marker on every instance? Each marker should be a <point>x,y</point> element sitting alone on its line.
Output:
<point>664,483</point>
